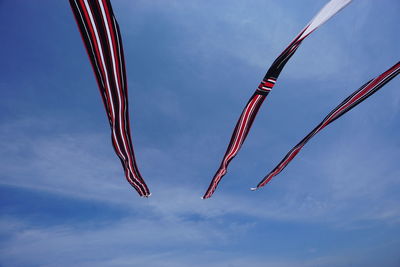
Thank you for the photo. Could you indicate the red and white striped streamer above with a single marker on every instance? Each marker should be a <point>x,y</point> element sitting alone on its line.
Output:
<point>101,36</point>
<point>253,105</point>
<point>350,102</point>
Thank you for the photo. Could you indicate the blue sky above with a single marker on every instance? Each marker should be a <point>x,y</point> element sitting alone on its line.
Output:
<point>192,65</point>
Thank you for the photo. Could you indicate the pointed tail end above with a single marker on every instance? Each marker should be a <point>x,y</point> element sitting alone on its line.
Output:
<point>253,188</point>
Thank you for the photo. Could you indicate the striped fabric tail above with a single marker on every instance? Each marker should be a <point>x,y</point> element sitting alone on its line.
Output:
<point>101,36</point>
<point>350,102</point>
<point>250,111</point>
<point>239,135</point>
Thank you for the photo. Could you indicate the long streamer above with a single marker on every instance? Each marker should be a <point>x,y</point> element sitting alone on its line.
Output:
<point>101,36</point>
<point>253,105</point>
<point>350,102</point>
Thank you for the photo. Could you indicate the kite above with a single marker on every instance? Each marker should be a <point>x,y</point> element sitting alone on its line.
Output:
<point>350,102</point>
<point>253,105</point>
<point>101,36</point>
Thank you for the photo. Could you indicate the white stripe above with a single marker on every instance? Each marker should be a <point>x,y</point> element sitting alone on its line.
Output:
<point>105,73</point>
<point>119,54</point>
<point>135,183</point>
<point>120,115</point>
<point>328,11</point>
<point>121,67</point>
<point>100,50</point>
<point>244,122</point>
<point>123,82</point>
<point>238,139</point>
<point>108,87</point>
<point>359,95</point>
<point>122,78</point>
<point>90,41</point>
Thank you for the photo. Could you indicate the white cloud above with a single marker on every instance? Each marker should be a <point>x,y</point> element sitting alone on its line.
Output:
<point>254,33</point>
<point>128,243</point>
<point>83,166</point>
<point>345,185</point>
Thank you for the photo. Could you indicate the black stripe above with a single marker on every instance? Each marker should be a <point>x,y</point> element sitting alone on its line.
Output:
<point>317,129</point>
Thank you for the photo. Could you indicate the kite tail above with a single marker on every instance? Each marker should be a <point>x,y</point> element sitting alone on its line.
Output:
<point>238,136</point>
<point>250,111</point>
<point>101,36</point>
<point>350,102</point>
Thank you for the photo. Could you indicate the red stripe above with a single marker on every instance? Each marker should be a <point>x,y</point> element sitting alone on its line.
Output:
<point>238,140</point>
<point>97,53</point>
<point>88,52</point>
<point>103,70</point>
<point>364,91</point>
<point>122,103</point>
<point>269,84</point>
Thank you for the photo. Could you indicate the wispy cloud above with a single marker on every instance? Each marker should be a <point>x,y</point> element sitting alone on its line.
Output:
<point>81,166</point>
<point>191,65</point>
<point>254,33</point>
<point>127,243</point>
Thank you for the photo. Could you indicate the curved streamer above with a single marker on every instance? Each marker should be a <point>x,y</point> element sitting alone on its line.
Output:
<point>253,105</point>
<point>350,102</point>
<point>101,36</point>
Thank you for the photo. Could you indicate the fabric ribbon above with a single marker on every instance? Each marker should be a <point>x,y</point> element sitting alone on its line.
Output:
<point>253,105</point>
<point>101,36</point>
<point>350,102</point>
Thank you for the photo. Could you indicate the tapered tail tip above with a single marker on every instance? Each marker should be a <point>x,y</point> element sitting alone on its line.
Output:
<point>253,188</point>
